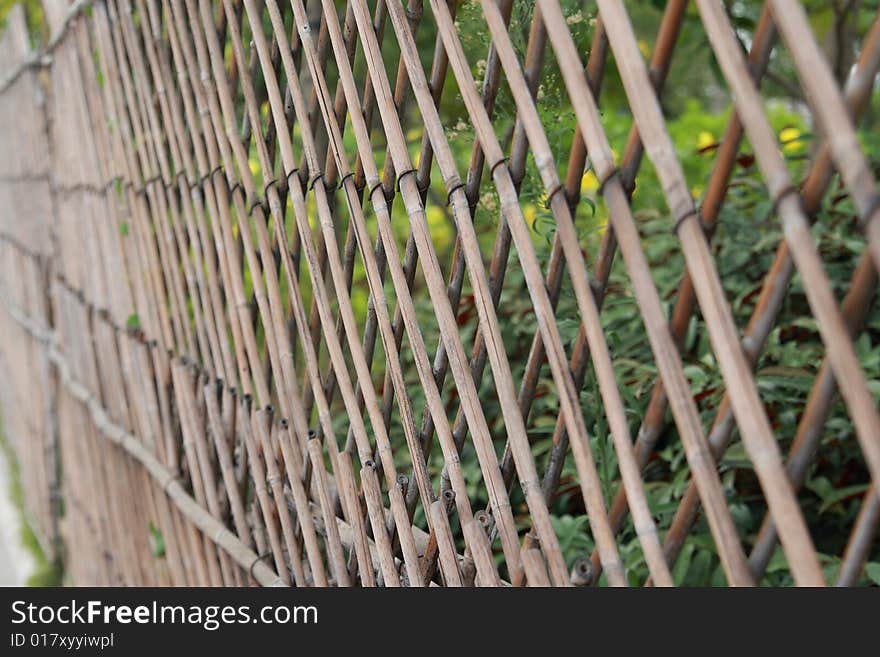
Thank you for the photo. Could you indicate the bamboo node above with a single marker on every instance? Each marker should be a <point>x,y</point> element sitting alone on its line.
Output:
<point>613,172</point>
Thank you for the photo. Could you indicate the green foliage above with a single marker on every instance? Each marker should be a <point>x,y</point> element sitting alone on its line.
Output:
<point>157,541</point>
<point>46,572</point>
<point>33,10</point>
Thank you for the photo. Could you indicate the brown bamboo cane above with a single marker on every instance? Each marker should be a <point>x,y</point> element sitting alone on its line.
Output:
<point>487,576</point>
<point>372,496</point>
<point>443,533</point>
<point>259,479</point>
<point>536,571</point>
<point>293,463</point>
<point>861,538</point>
<point>225,460</point>
<point>262,422</point>
<point>200,490</point>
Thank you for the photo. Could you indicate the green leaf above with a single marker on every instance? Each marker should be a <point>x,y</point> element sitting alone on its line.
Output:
<point>679,572</point>
<point>841,494</point>
<point>157,541</point>
<point>872,570</point>
<point>133,321</point>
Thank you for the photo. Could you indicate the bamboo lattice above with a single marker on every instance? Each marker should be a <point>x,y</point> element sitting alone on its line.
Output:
<point>197,198</point>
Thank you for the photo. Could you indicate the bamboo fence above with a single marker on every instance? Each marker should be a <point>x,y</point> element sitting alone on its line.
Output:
<point>192,191</point>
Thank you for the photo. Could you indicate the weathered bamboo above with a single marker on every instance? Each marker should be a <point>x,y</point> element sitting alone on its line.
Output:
<point>130,444</point>
<point>186,161</point>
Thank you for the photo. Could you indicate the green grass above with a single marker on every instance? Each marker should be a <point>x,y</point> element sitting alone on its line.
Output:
<point>46,572</point>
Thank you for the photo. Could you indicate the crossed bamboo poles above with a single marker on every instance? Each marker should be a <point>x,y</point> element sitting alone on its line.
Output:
<point>203,340</point>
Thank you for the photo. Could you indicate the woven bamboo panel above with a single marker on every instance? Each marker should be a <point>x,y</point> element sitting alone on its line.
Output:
<point>284,319</point>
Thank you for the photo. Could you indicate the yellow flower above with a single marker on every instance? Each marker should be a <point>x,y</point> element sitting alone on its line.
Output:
<point>791,140</point>
<point>643,46</point>
<point>438,226</point>
<point>529,213</point>
<point>705,139</point>
<point>589,183</point>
